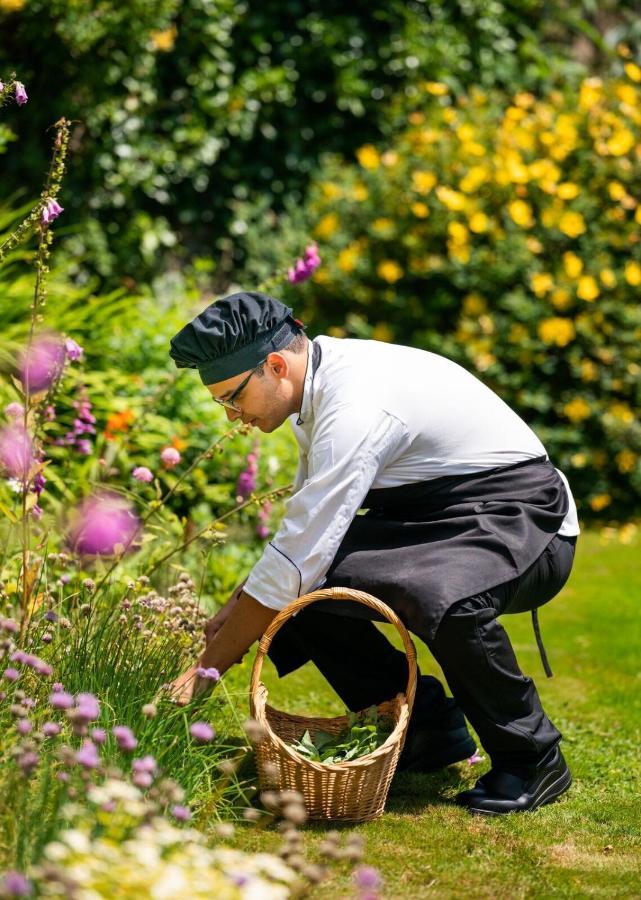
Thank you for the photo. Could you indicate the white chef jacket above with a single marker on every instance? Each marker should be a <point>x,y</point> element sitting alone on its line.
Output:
<point>378,415</point>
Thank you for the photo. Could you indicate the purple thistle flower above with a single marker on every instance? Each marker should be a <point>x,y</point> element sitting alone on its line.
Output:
<point>9,625</point>
<point>51,211</point>
<point>24,726</point>
<point>98,735</point>
<point>144,764</point>
<point>41,363</point>
<point>21,94</point>
<point>61,700</point>
<point>367,877</point>
<point>124,737</point>
<point>182,813</point>
<point>14,410</point>
<point>88,755</point>
<point>15,884</point>
<point>142,473</point>
<point>28,761</point>
<point>103,523</point>
<point>202,732</point>
<point>73,350</point>
<point>16,451</point>
<point>87,707</point>
<point>51,616</point>
<point>50,729</point>
<point>142,779</point>
<point>211,674</point>
<point>170,457</point>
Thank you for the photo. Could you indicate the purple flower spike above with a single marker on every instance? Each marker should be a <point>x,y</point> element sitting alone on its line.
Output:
<point>61,700</point>
<point>11,674</point>
<point>142,473</point>
<point>88,755</point>
<point>182,813</point>
<point>15,884</point>
<point>202,732</point>
<point>21,94</point>
<point>124,737</point>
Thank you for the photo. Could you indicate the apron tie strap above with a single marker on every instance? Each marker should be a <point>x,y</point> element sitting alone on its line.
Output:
<point>539,643</point>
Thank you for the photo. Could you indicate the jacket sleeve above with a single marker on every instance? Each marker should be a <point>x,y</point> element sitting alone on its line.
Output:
<point>350,445</point>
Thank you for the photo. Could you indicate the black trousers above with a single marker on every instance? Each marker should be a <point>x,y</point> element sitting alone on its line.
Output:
<point>471,646</point>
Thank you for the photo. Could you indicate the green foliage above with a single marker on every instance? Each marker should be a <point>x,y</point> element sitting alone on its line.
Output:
<point>183,107</point>
<point>363,734</point>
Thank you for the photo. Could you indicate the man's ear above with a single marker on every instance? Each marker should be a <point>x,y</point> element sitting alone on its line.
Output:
<point>278,364</point>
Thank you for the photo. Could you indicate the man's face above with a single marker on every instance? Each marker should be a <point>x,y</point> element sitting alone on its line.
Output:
<point>265,401</point>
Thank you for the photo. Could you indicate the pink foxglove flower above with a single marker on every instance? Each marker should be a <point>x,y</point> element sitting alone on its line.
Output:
<point>41,363</point>
<point>73,350</point>
<point>170,457</point>
<point>21,94</point>
<point>142,473</point>
<point>51,211</point>
<point>16,451</point>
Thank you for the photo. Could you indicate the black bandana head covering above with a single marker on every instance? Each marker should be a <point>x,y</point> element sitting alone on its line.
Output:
<point>234,334</point>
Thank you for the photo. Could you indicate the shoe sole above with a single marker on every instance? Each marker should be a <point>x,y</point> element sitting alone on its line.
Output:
<point>551,792</point>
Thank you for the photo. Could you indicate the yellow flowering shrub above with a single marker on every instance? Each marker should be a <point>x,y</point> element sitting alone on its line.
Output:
<point>504,232</point>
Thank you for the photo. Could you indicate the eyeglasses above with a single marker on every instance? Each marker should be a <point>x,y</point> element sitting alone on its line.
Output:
<point>230,402</point>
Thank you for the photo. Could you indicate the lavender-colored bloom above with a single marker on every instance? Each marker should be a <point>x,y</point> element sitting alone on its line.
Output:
<point>99,735</point>
<point>211,674</point>
<point>88,755</point>
<point>262,531</point>
<point>28,761</point>
<point>61,700</point>
<point>65,579</point>
<point>51,211</point>
<point>29,702</point>
<point>182,813</point>
<point>142,473</point>
<point>246,483</point>
<point>142,779</point>
<point>73,350</point>
<point>15,884</point>
<point>170,457</point>
<point>144,764</point>
<point>304,268</point>
<point>367,877</point>
<point>41,363</point>
<point>87,707</point>
<point>124,737</point>
<point>21,94</point>
<point>57,685</point>
<point>202,732</point>
<point>9,625</point>
<point>50,412</point>
<point>51,616</point>
<point>50,729</point>
<point>16,451</point>
<point>102,523</point>
<point>24,726</point>
<point>14,410</point>
<point>84,447</point>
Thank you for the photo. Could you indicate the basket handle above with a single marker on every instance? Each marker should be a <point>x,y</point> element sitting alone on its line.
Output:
<point>336,593</point>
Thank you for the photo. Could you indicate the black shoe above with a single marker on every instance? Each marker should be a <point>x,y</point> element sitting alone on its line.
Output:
<point>439,742</point>
<point>502,791</point>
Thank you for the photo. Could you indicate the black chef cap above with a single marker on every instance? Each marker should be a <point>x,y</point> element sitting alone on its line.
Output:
<point>234,334</point>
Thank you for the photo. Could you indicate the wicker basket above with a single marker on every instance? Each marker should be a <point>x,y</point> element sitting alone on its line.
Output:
<point>353,791</point>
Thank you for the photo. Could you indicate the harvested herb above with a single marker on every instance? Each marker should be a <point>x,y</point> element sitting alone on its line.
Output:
<point>365,732</point>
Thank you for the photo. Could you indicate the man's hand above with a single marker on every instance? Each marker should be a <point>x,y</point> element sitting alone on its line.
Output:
<point>188,686</point>
<point>213,625</point>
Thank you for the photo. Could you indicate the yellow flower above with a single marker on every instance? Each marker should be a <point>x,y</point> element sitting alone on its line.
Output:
<point>389,271</point>
<point>568,190</point>
<point>521,213</point>
<point>633,72</point>
<point>389,158</point>
<point>331,190</point>
<point>577,410</point>
<point>556,330</point>
<point>578,460</point>
<point>436,88</point>
<point>458,232</point>
<point>382,332</point>
<point>589,370</point>
<point>368,157</point>
<point>473,179</point>
<point>164,40</point>
<point>11,5</point>
<point>590,93</point>
<point>348,257</point>
<point>622,412</point>
<point>627,533</point>
<point>466,133</point>
<point>533,244</point>
<point>327,226</point>
<point>572,224</point>
<point>608,278</point>
<point>626,461</point>
<point>572,264</point>
<point>621,142</point>
<point>561,298</point>
<point>453,200</point>
<point>423,182</point>
<point>587,289</point>
<point>479,222</point>
<point>383,225</point>
<point>627,94</point>
<point>541,283</point>
<point>474,305</point>
<point>420,210</point>
<point>600,501</point>
<point>360,193</point>
<point>632,273</point>
<point>616,190</point>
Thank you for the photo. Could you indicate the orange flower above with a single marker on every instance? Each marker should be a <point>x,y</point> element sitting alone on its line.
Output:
<point>119,421</point>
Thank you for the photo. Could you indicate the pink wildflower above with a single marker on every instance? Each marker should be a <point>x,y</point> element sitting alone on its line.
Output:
<point>182,813</point>
<point>73,350</point>
<point>11,674</point>
<point>142,473</point>
<point>170,457</point>
<point>211,674</point>
<point>98,735</point>
<point>49,729</point>
<point>304,268</point>
<point>125,737</point>
<point>367,877</point>
<point>24,726</point>
<point>61,700</point>
<point>14,410</point>
<point>41,363</point>
<point>51,211</point>
<point>21,94</point>
<point>16,451</point>
<point>15,884</point>
<point>202,732</point>
<point>88,755</point>
<point>103,524</point>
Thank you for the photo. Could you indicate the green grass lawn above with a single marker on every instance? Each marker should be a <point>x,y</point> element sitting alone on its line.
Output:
<point>586,844</point>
